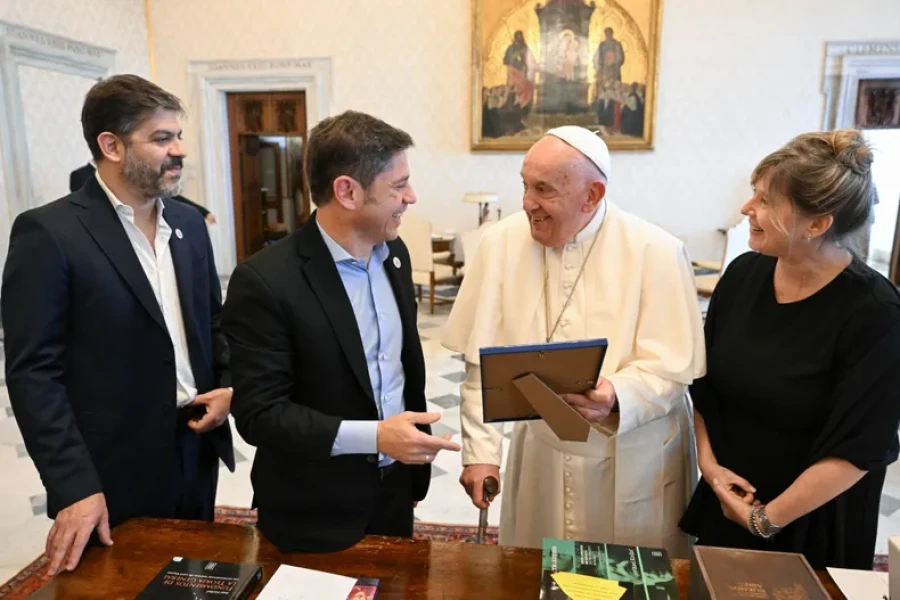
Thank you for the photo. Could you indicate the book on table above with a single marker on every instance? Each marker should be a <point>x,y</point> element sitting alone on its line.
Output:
<point>193,579</point>
<point>572,570</point>
<point>726,573</point>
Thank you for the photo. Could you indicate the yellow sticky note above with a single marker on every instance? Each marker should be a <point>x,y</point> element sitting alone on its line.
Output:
<point>585,587</point>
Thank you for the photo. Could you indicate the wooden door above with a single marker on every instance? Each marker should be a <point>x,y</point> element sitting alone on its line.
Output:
<point>263,125</point>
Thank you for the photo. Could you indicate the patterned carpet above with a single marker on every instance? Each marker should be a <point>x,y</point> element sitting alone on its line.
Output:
<point>29,579</point>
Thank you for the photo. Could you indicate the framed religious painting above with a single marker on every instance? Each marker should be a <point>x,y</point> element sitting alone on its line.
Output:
<point>878,104</point>
<point>540,64</point>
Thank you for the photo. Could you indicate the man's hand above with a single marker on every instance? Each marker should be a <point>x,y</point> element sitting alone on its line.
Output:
<point>596,404</point>
<point>71,530</point>
<point>472,479</point>
<point>211,219</point>
<point>217,403</point>
<point>399,438</point>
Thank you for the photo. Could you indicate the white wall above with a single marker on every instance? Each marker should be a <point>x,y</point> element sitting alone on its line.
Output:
<point>52,100</point>
<point>116,24</point>
<point>737,80</point>
<point>52,114</point>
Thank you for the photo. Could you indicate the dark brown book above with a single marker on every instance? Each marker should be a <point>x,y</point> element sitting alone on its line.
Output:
<point>729,574</point>
<point>193,579</point>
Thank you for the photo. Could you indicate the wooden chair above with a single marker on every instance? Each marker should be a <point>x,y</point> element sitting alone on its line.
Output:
<point>737,240</point>
<point>426,270</point>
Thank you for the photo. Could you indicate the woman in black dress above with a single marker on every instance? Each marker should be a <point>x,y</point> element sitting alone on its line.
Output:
<point>797,416</point>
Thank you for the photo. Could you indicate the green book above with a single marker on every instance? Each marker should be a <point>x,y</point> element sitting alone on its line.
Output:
<point>645,573</point>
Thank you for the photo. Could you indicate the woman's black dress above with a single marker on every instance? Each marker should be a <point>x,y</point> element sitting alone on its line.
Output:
<point>788,385</point>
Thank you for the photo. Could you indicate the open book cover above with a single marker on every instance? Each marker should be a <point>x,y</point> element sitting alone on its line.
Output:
<point>645,573</point>
<point>193,579</point>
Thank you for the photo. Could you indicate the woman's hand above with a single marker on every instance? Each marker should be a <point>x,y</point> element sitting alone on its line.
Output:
<point>734,507</point>
<point>731,482</point>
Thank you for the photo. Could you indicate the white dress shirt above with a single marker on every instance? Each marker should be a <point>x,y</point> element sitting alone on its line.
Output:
<point>381,331</point>
<point>156,260</point>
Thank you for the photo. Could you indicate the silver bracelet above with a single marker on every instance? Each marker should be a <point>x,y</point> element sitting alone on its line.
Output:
<point>755,528</point>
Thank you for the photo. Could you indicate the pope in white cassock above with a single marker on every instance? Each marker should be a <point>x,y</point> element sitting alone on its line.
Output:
<point>574,266</point>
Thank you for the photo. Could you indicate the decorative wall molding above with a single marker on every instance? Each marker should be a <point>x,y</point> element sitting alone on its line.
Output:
<point>846,63</point>
<point>836,51</point>
<point>210,81</point>
<point>26,46</point>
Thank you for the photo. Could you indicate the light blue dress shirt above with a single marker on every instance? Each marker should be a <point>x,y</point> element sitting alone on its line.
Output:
<point>381,331</point>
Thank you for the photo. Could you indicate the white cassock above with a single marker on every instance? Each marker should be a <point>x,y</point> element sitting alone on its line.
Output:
<point>630,482</point>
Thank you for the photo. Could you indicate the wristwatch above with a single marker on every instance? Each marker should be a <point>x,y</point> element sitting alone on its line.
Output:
<point>760,524</point>
<point>766,525</point>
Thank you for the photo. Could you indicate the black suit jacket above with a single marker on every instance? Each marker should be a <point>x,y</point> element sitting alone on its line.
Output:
<point>90,366</point>
<point>298,370</point>
<point>81,175</point>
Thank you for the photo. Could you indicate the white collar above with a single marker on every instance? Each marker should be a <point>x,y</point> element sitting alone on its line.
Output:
<point>594,224</point>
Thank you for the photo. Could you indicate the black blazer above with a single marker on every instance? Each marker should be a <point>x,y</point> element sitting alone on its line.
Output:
<point>90,366</point>
<point>298,370</point>
<point>81,175</point>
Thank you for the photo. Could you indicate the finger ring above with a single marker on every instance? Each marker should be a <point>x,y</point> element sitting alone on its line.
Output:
<point>427,458</point>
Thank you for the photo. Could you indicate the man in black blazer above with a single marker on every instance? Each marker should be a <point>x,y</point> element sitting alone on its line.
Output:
<point>115,360</point>
<point>81,175</point>
<point>326,361</point>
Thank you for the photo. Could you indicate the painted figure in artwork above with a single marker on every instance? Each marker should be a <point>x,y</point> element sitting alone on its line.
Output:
<point>520,69</point>
<point>609,58</point>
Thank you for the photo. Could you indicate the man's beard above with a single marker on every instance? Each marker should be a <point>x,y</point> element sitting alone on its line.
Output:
<point>147,180</point>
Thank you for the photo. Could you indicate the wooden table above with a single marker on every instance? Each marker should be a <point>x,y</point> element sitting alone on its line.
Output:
<point>407,569</point>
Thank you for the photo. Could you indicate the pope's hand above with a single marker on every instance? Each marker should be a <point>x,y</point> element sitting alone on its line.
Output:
<point>472,479</point>
<point>596,404</point>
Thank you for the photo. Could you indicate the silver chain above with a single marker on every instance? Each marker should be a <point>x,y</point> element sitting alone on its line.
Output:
<point>574,286</point>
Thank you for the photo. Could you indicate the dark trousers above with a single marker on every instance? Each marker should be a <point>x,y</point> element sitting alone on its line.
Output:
<point>195,480</point>
<point>393,506</point>
<point>191,493</point>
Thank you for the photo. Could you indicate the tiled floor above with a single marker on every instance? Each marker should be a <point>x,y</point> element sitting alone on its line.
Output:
<point>24,525</point>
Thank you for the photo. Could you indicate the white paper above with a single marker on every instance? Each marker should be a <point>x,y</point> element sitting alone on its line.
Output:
<point>861,585</point>
<point>297,583</point>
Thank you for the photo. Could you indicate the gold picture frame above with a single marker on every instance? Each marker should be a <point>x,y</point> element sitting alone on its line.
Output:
<point>539,64</point>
